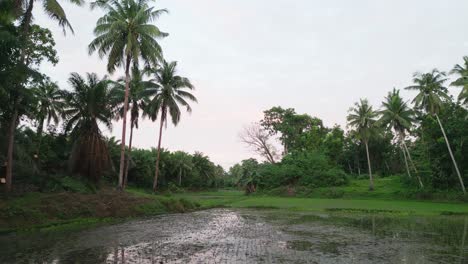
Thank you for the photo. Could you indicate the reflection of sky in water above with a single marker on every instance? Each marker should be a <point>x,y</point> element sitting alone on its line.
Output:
<point>248,236</point>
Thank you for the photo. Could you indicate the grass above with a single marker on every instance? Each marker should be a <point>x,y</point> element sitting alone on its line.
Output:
<point>67,210</point>
<point>388,196</point>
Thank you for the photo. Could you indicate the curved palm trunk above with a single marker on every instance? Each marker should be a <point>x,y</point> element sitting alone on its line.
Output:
<point>129,156</point>
<point>451,155</point>
<point>406,162</point>
<point>412,165</point>
<point>124,124</point>
<point>11,139</point>
<point>155,183</point>
<point>371,180</point>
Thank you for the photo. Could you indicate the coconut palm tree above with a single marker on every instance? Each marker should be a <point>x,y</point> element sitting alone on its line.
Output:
<point>88,105</point>
<point>172,93</point>
<point>397,115</point>
<point>462,81</point>
<point>125,34</point>
<point>51,8</point>
<point>137,101</point>
<point>49,107</point>
<point>362,118</point>
<point>183,164</point>
<point>430,97</point>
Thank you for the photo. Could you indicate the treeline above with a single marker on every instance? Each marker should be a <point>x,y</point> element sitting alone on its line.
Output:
<point>424,142</point>
<point>48,131</point>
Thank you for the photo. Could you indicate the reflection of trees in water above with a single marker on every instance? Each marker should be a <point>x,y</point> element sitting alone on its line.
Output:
<point>462,247</point>
<point>90,255</point>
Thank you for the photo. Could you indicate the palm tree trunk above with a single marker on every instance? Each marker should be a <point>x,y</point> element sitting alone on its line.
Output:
<point>180,176</point>
<point>39,136</point>
<point>11,139</point>
<point>371,180</point>
<point>129,156</point>
<point>451,155</point>
<point>124,124</point>
<point>412,165</point>
<point>406,163</point>
<point>155,183</point>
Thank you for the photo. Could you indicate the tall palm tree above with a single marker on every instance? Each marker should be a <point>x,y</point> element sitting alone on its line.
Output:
<point>172,93</point>
<point>125,34</point>
<point>363,119</point>
<point>137,101</point>
<point>88,105</point>
<point>430,97</point>
<point>50,106</point>
<point>462,81</point>
<point>397,115</point>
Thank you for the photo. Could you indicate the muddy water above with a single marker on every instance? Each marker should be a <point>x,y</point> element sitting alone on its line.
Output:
<point>251,236</point>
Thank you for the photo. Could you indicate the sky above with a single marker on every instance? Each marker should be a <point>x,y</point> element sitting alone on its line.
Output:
<point>247,56</point>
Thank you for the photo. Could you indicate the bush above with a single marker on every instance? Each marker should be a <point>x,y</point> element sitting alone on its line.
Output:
<point>312,169</point>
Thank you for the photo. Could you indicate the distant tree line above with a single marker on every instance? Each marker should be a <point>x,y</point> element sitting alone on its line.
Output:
<point>425,142</point>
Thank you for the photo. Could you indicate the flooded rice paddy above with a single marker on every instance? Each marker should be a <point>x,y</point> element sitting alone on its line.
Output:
<point>252,236</point>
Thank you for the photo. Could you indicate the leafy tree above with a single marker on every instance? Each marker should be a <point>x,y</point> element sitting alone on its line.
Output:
<point>19,77</point>
<point>431,95</point>
<point>137,101</point>
<point>89,104</point>
<point>172,93</point>
<point>291,126</point>
<point>397,115</point>
<point>362,118</point>
<point>125,34</point>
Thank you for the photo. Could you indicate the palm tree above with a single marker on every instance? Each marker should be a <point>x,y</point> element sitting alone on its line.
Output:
<point>89,104</point>
<point>183,164</point>
<point>172,93</point>
<point>462,80</point>
<point>397,115</point>
<point>363,119</point>
<point>125,34</point>
<point>137,101</point>
<point>50,106</point>
<point>430,97</point>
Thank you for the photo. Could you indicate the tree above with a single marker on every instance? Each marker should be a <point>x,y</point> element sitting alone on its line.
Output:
<point>172,93</point>
<point>137,100</point>
<point>257,138</point>
<point>430,98</point>
<point>183,164</point>
<point>89,104</point>
<point>397,115</point>
<point>20,74</point>
<point>295,130</point>
<point>462,80</point>
<point>125,34</point>
<point>49,107</point>
<point>362,118</point>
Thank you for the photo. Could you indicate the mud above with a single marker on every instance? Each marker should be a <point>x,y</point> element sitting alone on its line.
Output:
<point>250,236</point>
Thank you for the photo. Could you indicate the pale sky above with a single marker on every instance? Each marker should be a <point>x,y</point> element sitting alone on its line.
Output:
<point>246,56</point>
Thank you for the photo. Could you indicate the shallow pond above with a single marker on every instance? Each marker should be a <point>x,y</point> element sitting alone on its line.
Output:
<point>251,236</point>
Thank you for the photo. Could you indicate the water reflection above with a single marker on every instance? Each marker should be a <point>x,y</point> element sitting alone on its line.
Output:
<point>249,236</point>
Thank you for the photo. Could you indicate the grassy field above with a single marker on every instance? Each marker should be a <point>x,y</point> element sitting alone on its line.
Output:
<point>237,199</point>
<point>71,209</point>
<point>388,196</point>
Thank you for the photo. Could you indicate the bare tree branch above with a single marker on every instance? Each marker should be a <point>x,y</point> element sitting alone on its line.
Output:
<point>258,139</point>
